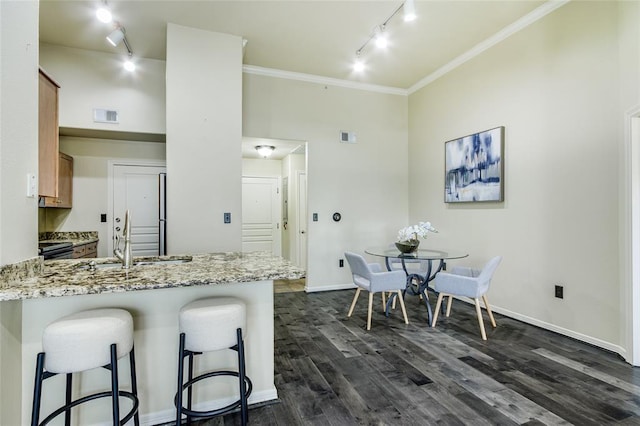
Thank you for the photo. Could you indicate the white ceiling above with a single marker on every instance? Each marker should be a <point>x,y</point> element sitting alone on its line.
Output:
<point>319,38</point>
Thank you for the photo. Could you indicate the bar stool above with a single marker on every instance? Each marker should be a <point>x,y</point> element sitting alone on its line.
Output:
<point>81,342</point>
<point>208,325</point>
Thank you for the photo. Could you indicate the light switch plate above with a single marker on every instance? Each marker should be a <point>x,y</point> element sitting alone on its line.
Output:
<point>31,185</point>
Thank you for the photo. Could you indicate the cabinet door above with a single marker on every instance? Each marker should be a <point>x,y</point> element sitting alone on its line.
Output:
<point>47,137</point>
<point>65,184</point>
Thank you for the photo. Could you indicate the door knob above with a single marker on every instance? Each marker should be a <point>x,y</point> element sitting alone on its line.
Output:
<point>118,219</point>
<point>302,232</point>
<point>118,228</point>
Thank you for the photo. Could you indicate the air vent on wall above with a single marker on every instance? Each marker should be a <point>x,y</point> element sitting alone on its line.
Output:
<point>347,137</point>
<point>105,116</point>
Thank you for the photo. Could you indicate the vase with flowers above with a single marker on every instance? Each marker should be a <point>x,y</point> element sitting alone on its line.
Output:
<point>407,241</point>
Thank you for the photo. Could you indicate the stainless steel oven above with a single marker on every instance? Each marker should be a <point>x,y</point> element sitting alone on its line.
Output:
<point>54,250</point>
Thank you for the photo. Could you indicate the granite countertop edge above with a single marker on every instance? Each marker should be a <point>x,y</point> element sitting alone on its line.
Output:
<point>72,277</point>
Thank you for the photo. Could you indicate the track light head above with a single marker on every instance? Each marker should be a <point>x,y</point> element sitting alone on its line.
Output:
<point>381,37</point>
<point>409,8</point>
<point>104,14</point>
<point>116,36</point>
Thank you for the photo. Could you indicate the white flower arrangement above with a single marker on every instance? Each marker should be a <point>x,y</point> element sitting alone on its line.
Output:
<point>415,231</point>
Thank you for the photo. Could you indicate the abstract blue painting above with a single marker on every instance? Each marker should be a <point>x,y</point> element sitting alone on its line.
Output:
<point>474,168</point>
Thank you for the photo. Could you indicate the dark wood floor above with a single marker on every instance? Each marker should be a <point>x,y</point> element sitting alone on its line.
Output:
<point>330,371</point>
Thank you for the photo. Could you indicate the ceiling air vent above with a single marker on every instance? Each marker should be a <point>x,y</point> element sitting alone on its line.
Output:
<point>105,116</point>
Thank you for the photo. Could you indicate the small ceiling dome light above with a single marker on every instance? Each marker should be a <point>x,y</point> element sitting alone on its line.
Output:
<point>409,8</point>
<point>116,36</point>
<point>104,14</point>
<point>381,37</point>
<point>265,150</point>
<point>129,65</point>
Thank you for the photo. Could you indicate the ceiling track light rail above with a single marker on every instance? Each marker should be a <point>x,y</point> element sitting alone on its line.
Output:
<point>379,31</point>
<point>118,35</point>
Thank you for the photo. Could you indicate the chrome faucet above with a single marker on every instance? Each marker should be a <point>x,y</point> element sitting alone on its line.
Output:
<point>125,257</point>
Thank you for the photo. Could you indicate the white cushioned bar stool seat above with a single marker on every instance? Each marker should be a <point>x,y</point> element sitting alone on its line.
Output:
<point>208,325</point>
<point>83,341</point>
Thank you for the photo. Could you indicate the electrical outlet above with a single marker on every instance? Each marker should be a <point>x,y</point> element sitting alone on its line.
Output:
<point>559,292</point>
<point>341,263</point>
<point>103,217</point>
<point>315,217</point>
<point>444,266</point>
<point>227,218</point>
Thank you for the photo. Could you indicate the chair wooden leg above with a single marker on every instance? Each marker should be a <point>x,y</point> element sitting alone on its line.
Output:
<point>355,299</point>
<point>437,311</point>
<point>486,305</point>
<point>393,304</point>
<point>384,301</point>
<point>480,321</point>
<point>370,309</point>
<point>404,311</point>
<point>449,305</point>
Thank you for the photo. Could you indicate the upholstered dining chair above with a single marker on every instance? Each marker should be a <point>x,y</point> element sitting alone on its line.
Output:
<point>467,282</point>
<point>370,277</point>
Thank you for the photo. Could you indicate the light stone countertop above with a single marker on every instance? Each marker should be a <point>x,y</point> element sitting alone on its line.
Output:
<point>72,277</point>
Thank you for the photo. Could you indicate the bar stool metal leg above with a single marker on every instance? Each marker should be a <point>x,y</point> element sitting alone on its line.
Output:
<point>244,409</point>
<point>180,380</point>
<point>114,385</point>
<point>37,390</point>
<point>67,413</point>
<point>134,383</point>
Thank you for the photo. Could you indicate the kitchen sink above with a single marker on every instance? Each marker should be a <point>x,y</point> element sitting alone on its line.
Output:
<point>141,262</point>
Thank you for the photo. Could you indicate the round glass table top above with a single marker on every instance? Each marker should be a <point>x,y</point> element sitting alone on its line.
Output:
<point>420,254</point>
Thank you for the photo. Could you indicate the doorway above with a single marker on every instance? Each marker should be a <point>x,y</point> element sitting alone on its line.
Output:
<point>261,215</point>
<point>134,186</point>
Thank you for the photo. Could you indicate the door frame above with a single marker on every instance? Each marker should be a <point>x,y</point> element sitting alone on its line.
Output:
<point>630,294</point>
<point>300,219</point>
<point>111,164</point>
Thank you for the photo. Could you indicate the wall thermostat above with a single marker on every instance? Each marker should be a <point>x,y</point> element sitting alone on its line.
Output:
<point>337,217</point>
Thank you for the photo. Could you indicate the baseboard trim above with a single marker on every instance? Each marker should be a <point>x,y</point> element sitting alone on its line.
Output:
<point>316,289</point>
<point>612,347</point>
<point>169,416</point>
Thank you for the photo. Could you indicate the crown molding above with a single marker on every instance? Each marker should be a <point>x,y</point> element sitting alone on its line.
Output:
<point>501,35</point>
<point>309,78</point>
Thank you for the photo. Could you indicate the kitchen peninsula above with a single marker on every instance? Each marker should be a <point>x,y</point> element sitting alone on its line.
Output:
<point>36,293</point>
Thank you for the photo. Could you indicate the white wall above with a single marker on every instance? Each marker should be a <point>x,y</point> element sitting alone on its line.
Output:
<point>91,80</point>
<point>554,86</point>
<point>18,156</point>
<point>254,167</point>
<point>204,137</point>
<point>90,184</point>
<point>366,182</point>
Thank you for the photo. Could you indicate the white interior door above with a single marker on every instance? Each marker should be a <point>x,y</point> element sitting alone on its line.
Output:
<point>135,187</point>
<point>302,220</point>
<point>261,215</point>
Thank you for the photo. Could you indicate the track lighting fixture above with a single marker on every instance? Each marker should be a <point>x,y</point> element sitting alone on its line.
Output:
<point>381,38</point>
<point>358,65</point>
<point>104,14</point>
<point>409,9</point>
<point>116,36</point>
<point>379,32</point>
<point>265,150</point>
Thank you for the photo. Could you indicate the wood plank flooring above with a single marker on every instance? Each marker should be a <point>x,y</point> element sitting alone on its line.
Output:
<point>330,371</point>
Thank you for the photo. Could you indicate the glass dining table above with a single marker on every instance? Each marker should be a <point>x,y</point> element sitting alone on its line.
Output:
<point>421,267</point>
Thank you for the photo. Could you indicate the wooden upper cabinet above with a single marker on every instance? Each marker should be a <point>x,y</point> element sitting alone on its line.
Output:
<point>48,136</point>
<point>65,184</point>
